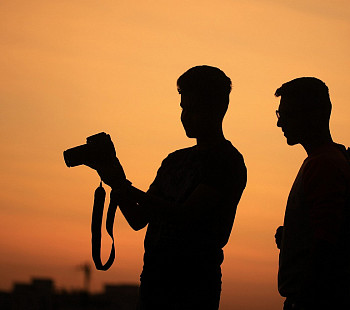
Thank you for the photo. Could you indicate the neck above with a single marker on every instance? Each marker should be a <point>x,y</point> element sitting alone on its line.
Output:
<point>315,142</point>
<point>210,140</point>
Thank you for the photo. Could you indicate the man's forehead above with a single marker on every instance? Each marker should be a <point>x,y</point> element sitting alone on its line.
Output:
<point>288,104</point>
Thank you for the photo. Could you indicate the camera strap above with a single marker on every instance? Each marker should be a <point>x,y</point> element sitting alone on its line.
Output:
<point>96,224</point>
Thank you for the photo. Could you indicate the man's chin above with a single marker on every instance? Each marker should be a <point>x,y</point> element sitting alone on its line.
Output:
<point>190,134</point>
<point>291,142</point>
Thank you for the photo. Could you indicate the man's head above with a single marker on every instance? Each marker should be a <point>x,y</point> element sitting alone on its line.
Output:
<point>304,109</point>
<point>205,94</point>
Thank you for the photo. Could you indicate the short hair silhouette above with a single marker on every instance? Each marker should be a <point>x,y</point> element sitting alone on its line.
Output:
<point>308,93</point>
<point>210,84</point>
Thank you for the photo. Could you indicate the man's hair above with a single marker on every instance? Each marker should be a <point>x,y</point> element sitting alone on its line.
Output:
<point>210,84</point>
<point>308,93</point>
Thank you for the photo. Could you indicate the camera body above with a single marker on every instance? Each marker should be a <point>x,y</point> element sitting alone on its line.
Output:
<point>98,147</point>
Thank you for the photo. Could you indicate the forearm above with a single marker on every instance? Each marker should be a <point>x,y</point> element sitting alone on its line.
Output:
<point>139,205</point>
<point>134,211</point>
<point>197,207</point>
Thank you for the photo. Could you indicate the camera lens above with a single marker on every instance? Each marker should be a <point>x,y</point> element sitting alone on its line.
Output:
<point>75,156</point>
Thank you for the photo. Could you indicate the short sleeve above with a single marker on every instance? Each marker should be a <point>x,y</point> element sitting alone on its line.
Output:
<point>156,184</point>
<point>227,173</point>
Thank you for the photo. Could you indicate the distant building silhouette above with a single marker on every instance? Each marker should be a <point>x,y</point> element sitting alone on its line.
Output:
<point>38,295</point>
<point>41,294</point>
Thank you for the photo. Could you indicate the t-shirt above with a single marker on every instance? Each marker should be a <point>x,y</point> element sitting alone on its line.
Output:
<point>314,255</point>
<point>172,246</point>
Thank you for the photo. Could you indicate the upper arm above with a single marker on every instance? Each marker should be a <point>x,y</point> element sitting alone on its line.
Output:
<point>219,192</point>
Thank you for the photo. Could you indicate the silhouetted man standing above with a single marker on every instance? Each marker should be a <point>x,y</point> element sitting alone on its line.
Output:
<point>191,205</point>
<point>314,263</point>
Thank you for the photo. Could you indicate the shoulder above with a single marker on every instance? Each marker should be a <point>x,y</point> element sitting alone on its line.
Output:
<point>229,157</point>
<point>332,157</point>
<point>328,163</point>
<point>226,167</point>
<point>231,152</point>
<point>181,152</point>
<point>178,155</point>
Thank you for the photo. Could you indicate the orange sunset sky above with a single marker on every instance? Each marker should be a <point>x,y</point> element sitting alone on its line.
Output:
<point>72,68</point>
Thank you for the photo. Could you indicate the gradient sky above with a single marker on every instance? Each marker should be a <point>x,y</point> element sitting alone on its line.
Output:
<point>72,68</point>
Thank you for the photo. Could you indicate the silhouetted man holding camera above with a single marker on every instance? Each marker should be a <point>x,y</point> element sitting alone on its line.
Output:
<point>190,207</point>
<point>314,264</point>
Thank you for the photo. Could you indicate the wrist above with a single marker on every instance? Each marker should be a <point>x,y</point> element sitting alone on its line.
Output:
<point>120,185</point>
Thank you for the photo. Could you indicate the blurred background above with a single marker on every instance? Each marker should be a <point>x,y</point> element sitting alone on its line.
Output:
<point>73,68</point>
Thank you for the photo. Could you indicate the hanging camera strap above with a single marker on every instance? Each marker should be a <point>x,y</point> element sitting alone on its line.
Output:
<point>96,226</point>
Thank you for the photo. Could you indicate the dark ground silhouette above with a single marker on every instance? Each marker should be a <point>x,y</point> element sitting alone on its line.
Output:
<point>40,294</point>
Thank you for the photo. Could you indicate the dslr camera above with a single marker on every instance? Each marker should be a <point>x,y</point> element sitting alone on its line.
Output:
<point>98,148</point>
